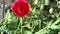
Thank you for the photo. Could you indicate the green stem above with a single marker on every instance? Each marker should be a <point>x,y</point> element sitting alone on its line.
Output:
<point>18,28</point>
<point>21,24</point>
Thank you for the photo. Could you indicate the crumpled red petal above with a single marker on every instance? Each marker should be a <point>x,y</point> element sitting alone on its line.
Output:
<point>20,7</point>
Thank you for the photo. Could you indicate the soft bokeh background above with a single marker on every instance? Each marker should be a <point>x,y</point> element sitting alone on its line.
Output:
<point>44,18</point>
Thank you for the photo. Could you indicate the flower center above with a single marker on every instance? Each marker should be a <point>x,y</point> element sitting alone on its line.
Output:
<point>20,10</point>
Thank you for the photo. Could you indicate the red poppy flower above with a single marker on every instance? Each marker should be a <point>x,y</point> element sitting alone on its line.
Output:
<point>20,7</point>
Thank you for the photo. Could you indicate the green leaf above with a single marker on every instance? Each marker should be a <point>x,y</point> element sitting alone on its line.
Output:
<point>58,32</point>
<point>43,31</point>
<point>7,16</point>
<point>47,2</point>
<point>27,32</point>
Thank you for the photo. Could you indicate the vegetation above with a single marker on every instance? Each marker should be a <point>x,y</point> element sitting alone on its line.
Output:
<point>44,18</point>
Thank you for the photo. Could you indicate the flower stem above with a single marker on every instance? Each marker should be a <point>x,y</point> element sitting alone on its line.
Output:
<point>18,28</point>
<point>21,24</point>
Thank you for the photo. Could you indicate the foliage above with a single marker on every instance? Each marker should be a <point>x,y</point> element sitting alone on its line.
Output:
<point>41,20</point>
